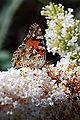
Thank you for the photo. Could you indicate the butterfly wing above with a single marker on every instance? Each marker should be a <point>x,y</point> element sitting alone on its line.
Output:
<point>32,51</point>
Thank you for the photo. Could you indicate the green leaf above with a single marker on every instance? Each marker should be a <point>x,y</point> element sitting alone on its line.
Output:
<point>5,60</point>
<point>6,17</point>
<point>4,56</point>
<point>6,65</point>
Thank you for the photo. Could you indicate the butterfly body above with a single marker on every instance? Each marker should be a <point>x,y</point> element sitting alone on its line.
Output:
<point>32,52</point>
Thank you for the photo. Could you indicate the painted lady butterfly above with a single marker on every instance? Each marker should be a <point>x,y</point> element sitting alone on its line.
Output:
<point>32,51</point>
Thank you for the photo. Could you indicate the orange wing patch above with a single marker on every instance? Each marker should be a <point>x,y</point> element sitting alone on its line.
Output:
<point>35,44</point>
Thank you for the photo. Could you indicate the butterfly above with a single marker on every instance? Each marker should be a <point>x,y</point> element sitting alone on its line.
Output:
<point>32,51</point>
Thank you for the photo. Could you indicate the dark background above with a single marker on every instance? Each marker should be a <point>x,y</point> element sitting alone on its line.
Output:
<point>16,16</point>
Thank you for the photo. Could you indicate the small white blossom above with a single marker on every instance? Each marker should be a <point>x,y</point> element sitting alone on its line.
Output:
<point>70,10</point>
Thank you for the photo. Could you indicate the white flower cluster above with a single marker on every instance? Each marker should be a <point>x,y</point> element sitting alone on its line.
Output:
<point>62,35</point>
<point>26,93</point>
